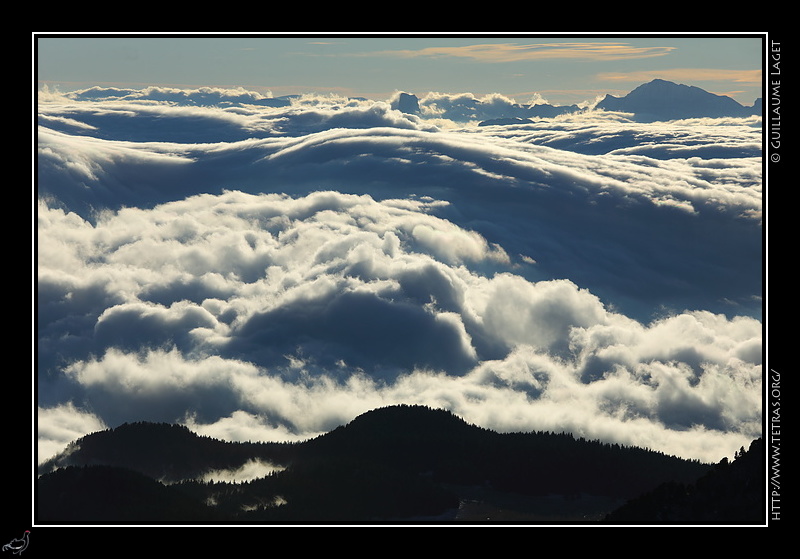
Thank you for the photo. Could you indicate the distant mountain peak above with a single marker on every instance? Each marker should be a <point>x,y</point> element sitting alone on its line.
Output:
<point>659,82</point>
<point>665,87</point>
<point>406,103</point>
<point>661,99</point>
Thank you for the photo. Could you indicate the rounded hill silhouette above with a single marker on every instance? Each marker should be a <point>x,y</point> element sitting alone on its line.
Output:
<point>397,462</point>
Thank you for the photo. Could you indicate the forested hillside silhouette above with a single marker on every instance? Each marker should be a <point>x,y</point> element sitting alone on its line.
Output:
<point>110,494</point>
<point>391,464</point>
<point>163,451</point>
<point>730,493</point>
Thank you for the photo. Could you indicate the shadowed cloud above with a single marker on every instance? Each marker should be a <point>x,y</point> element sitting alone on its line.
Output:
<point>276,268</point>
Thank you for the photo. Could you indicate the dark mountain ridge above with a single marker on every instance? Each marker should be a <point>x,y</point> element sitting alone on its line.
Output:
<point>664,100</point>
<point>730,493</point>
<point>398,462</point>
<point>656,100</point>
<point>162,451</point>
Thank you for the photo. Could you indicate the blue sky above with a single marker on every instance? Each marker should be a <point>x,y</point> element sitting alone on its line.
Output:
<point>561,69</point>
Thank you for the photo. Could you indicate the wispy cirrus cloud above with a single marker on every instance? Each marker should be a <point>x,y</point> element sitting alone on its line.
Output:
<point>515,52</point>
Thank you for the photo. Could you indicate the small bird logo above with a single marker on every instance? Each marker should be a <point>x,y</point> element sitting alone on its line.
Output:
<point>18,545</point>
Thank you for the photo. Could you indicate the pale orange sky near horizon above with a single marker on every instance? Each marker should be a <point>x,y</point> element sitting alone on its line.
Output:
<point>563,70</point>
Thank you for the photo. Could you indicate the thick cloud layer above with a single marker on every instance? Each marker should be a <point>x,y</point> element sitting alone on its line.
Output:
<point>268,270</point>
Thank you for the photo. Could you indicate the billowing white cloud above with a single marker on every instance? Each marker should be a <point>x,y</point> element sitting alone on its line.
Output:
<point>61,424</point>
<point>270,272</point>
<point>250,470</point>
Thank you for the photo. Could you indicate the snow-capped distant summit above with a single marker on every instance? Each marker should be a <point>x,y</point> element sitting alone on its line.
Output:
<point>664,100</point>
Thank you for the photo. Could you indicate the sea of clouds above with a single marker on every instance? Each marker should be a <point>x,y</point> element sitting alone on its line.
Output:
<point>264,269</point>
